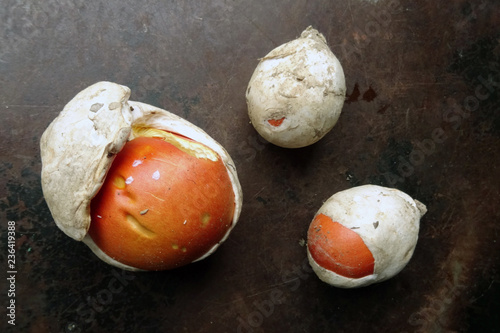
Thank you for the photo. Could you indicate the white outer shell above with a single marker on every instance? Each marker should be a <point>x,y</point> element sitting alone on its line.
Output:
<point>78,147</point>
<point>302,81</point>
<point>388,222</point>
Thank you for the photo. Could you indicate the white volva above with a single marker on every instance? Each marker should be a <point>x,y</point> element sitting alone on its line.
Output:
<point>388,222</point>
<point>78,147</point>
<point>301,85</point>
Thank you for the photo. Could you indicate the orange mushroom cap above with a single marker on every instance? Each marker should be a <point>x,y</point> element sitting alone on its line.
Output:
<point>160,206</point>
<point>338,248</point>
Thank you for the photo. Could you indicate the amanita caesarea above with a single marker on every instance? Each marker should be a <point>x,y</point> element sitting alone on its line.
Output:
<point>142,187</point>
<point>296,93</point>
<point>363,235</point>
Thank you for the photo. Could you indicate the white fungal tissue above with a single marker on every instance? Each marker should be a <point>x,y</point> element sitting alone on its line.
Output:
<point>297,92</point>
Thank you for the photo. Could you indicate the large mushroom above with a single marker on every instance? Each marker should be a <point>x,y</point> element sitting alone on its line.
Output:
<point>142,187</point>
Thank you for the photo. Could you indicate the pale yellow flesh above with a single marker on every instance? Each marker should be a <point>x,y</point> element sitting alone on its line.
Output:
<point>192,148</point>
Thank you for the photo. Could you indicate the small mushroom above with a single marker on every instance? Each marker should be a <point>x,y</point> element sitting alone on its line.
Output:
<point>296,93</point>
<point>347,249</point>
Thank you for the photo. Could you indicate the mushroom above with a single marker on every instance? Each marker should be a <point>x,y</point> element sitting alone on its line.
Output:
<point>85,152</point>
<point>296,93</point>
<point>363,235</point>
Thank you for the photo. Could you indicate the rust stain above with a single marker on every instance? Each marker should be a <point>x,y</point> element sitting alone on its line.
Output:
<point>369,95</point>
<point>383,109</point>
<point>353,97</point>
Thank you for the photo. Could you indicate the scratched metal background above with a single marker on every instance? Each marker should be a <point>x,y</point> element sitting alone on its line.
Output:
<point>422,115</point>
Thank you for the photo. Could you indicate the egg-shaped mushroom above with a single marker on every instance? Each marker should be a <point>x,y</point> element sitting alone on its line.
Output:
<point>297,91</point>
<point>363,235</point>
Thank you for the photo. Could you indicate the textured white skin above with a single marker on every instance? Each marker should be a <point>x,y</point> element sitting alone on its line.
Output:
<point>78,147</point>
<point>386,219</point>
<point>74,150</point>
<point>302,81</point>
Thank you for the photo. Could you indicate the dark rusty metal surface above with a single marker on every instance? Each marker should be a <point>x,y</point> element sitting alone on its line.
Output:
<point>422,115</point>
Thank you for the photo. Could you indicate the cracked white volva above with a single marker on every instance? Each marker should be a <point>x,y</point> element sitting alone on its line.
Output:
<point>301,86</point>
<point>78,147</point>
<point>392,242</point>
